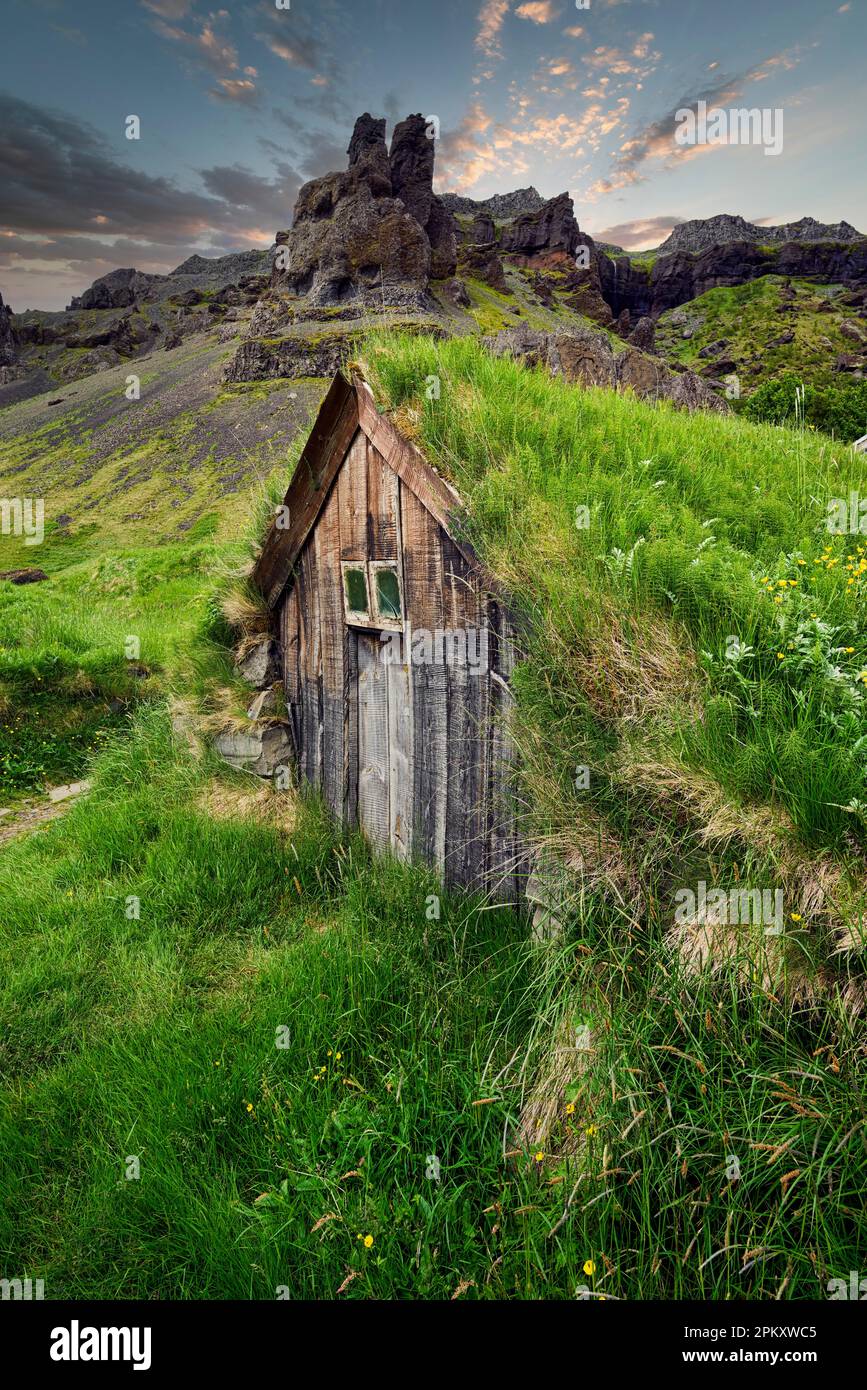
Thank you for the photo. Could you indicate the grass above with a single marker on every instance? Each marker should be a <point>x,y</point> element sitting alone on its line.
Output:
<point>699,644</point>
<point>746,319</point>
<point>184,954</point>
<point>154,1040</point>
<point>80,652</point>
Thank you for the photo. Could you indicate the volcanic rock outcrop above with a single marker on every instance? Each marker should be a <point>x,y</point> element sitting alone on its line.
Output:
<point>700,233</point>
<point>412,167</point>
<point>374,235</point>
<point>678,277</point>
<point>551,228</point>
<point>7,336</point>
<point>502,206</point>
<point>118,290</point>
<point>587,358</point>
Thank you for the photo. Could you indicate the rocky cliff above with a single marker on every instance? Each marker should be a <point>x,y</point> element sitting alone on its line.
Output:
<point>676,278</point>
<point>700,234</point>
<point>588,358</point>
<point>374,243</point>
<point>7,336</point>
<point>502,207</point>
<point>375,234</point>
<point>121,289</point>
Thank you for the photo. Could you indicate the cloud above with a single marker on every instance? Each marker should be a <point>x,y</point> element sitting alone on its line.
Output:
<point>293,54</point>
<point>292,43</point>
<point>538,11</point>
<point>253,197</point>
<point>239,90</point>
<point>642,234</point>
<point>169,9</point>
<point>656,141</point>
<point>58,174</point>
<point>323,155</point>
<point>463,156</point>
<point>622,64</point>
<point>205,46</point>
<point>492,17</point>
<point>69,203</point>
<point>480,146</point>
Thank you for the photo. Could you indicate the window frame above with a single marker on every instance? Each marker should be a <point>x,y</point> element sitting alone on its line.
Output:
<point>354,616</point>
<point>386,620</point>
<point>373,619</point>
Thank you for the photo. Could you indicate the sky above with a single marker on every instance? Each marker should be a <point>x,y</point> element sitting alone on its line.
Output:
<point>241,104</point>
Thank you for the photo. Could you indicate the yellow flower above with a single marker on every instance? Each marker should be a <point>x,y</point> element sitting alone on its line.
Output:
<point>591,1130</point>
<point>539,1156</point>
<point>338,1055</point>
<point>249,1108</point>
<point>570,1108</point>
<point>780,656</point>
<point>779,598</point>
<point>589,1267</point>
<point>368,1241</point>
<point>796,916</point>
<point>849,650</point>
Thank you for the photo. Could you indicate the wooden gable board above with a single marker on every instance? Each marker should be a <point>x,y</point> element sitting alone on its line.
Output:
<point>324,452</point>
<point>347,407</point>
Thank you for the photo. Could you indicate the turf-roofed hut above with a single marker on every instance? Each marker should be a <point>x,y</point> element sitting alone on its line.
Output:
<point>397,650</point>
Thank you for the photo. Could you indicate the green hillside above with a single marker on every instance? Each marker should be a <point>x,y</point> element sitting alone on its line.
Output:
<point>639,1108</point>
<point>765,328</point>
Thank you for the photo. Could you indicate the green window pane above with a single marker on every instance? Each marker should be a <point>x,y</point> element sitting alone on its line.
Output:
<point>387,594</point>
<point>356,590</point>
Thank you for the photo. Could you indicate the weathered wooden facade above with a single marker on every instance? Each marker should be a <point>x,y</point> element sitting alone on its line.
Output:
<point>397,650</point>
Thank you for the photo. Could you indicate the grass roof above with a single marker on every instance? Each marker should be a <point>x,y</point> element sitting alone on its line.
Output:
<point>695,638</point>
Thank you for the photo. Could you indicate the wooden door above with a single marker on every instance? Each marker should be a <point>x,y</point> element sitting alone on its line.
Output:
<point>384,743</point>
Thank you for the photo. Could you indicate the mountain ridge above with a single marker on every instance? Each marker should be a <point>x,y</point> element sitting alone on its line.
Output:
<point>699,233</point>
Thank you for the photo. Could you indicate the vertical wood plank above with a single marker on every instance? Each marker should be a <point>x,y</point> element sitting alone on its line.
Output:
<point>423,600</point>
<point>352,510</point>
<point>311,678</point>
<point>373,757</point>
<point>400,752</point>
<point>383,521</point>
<point>467,723</point>
<point>352,500</point>
<point>327,540</point>
<point>289,640</point>
<point>505,865</point>
<point>400,692</point>
<point>350,728</point>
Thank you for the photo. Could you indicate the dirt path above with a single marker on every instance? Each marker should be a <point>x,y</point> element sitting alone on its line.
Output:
<point>23,819</point>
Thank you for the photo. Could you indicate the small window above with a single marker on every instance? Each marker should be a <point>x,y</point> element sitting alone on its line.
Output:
<point>372,594</point>
<point>355,582</point>
<point>387,593</point>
